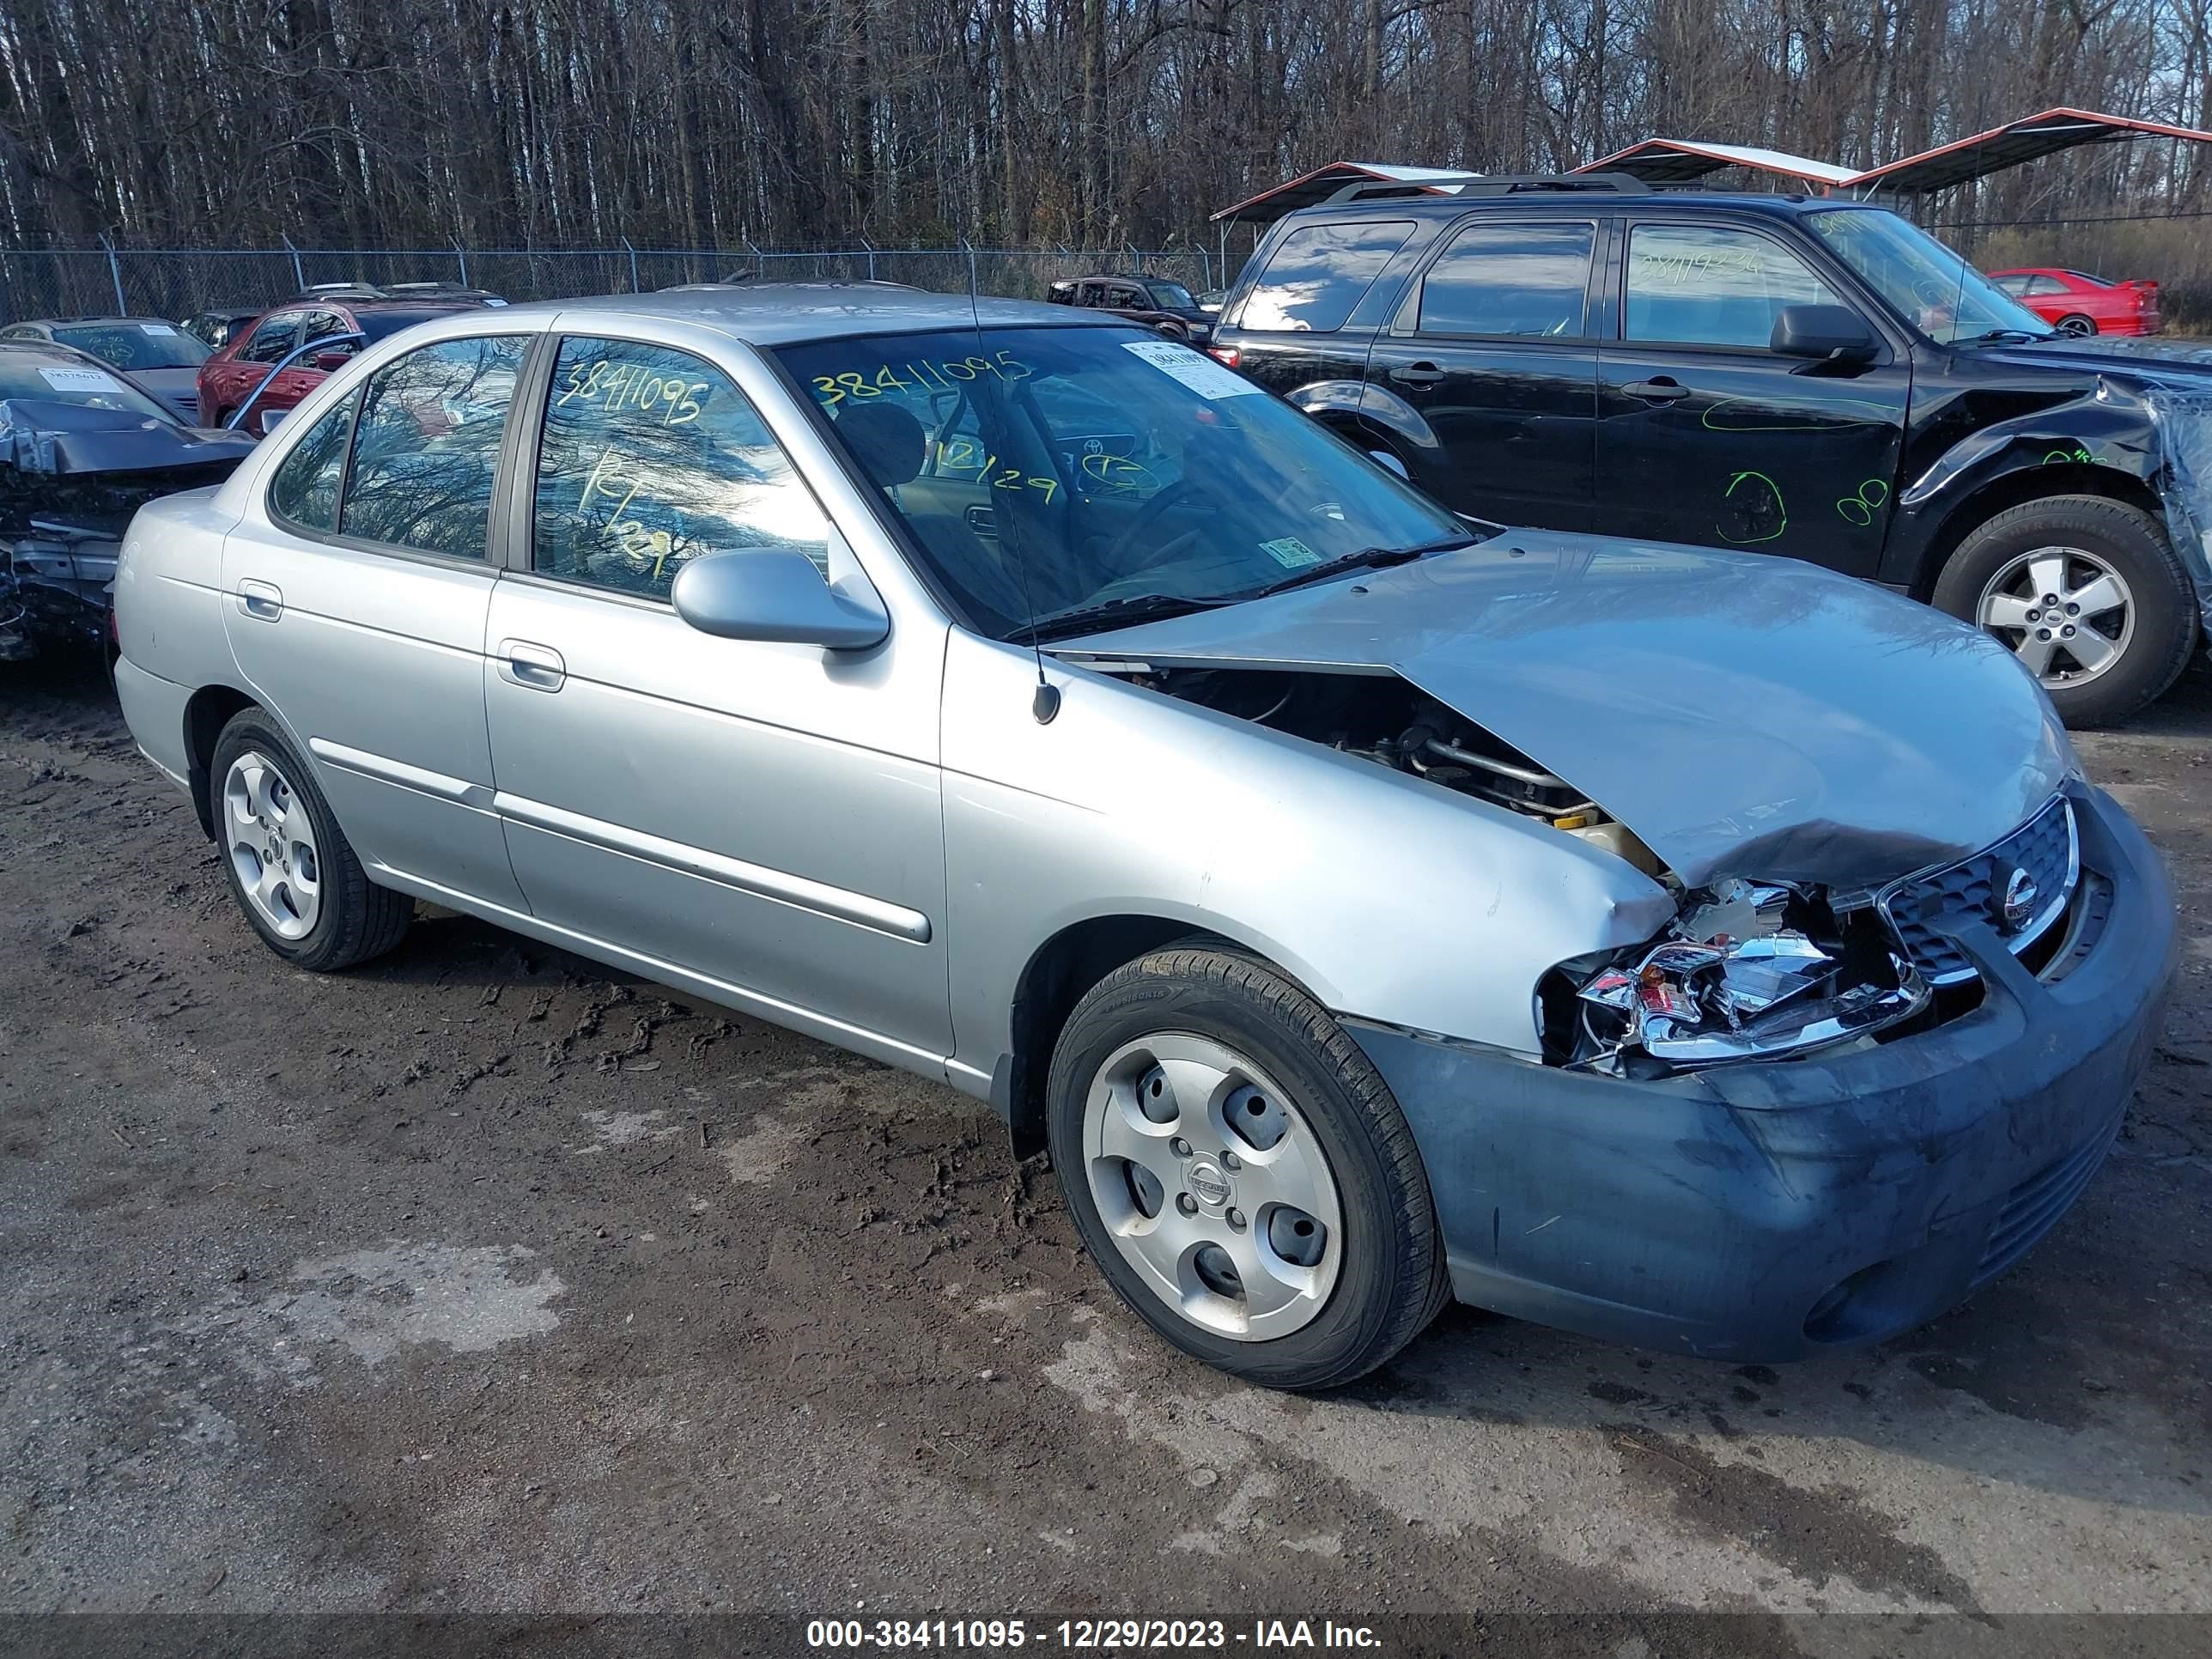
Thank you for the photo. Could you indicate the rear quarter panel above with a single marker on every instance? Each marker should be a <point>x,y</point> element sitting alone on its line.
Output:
<point>168,598</point>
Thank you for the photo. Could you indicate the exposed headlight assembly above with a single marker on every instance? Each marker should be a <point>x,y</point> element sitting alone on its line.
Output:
<point>1746,971</point>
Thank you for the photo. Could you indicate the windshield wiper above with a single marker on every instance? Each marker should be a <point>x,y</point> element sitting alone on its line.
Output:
<point>1133,608</point>
<point>2020,334</point>
<point>1367,558</point>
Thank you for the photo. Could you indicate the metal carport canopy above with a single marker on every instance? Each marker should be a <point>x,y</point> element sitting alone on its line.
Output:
<point>1683,161</point>
<point>1966,159</point>
<point>1311,189</point>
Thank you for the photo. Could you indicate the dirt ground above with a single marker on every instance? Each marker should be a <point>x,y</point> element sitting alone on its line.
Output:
<point>481,1279</point>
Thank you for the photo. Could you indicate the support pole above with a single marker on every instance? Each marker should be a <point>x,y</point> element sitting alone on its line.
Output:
<point>115,275</point>
<point>298,275</point>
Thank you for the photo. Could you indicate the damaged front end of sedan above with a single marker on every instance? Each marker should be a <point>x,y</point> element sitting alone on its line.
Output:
<point>1749,971</point>
<point>71,476</point>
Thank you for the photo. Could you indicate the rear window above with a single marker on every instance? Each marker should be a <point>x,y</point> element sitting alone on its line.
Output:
<point>1318,274</point>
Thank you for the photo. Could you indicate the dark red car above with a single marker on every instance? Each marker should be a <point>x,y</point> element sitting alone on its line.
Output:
<point>2074,302</point>
<point>229,378</point>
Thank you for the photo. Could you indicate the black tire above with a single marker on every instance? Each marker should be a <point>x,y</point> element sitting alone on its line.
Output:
<point>2166,623</point>
<point>357,918</point>
<point>1391,1281</point>
<point>2077,324</point>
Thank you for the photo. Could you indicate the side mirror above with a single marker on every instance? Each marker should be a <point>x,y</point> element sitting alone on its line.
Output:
<point>1828,334</point>
<point>331,361</point>
<point>778,596</point>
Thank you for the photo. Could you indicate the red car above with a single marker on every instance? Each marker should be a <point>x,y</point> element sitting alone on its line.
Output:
<point>229,378</point>
<point>2074,302</point>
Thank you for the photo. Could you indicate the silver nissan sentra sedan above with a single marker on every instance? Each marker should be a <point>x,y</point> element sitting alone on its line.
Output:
<point>1364,907</point>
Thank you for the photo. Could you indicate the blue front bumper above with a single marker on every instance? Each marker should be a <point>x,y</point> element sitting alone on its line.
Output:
<point>1765,1213</point>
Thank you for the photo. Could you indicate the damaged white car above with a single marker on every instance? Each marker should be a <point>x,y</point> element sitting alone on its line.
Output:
<point>1364,908</point>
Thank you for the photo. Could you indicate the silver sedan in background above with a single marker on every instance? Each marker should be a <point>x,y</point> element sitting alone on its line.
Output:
<point>1364,907</point>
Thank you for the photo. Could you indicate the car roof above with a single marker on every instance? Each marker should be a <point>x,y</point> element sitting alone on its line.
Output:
<point>87,322</point>
<point>54,353</point>
<point>1583,201</point>
<point>786,314</point>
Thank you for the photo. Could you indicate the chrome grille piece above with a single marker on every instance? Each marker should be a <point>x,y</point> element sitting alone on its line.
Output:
<point>2031,872</point>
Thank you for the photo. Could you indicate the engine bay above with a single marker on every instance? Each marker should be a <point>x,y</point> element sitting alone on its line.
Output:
<point>1381,718</point>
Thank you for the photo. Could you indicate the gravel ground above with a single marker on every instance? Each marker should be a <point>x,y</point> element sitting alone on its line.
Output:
<point>481,1279</point>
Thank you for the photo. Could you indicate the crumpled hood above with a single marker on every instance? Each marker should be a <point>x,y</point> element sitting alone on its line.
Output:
<point>1743,714</point>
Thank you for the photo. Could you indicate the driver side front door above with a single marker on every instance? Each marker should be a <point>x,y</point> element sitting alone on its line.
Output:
<point>762,820</point>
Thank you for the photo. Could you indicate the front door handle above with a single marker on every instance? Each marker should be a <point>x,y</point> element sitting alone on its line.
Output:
<point>1417,374</point>
<point>1661,391</point>
<point>534,667</point>
<point>263,601</point>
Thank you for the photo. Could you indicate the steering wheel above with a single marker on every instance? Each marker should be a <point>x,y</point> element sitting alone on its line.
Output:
<point>1148,515</point>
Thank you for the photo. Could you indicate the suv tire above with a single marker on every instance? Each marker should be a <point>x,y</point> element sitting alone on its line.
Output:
<point>317,908</point>
<point>2155,635</point>
<point>1231,1032</point>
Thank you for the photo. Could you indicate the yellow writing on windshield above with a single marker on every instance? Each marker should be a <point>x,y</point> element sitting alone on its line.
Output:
<point>922,373</point>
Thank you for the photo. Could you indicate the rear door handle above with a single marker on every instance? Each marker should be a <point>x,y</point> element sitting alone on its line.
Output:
<point>264,601</point>
<point>1661,391</point>
<point>1417,374</point>
<point>534,667</point>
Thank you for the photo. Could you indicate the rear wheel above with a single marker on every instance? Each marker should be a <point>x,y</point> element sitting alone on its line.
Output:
<point>1240,1172</point>
<point>289,866</point>
<point>2089,595</point>
<point>2077,325</point>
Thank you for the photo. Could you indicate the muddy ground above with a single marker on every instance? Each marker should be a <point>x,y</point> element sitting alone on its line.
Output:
<point>481,1279</point>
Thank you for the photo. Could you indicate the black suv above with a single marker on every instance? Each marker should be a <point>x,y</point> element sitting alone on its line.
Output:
<point>1808,377</point>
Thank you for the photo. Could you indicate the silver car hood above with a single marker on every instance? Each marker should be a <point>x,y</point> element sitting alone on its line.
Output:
<point>1743,714</point>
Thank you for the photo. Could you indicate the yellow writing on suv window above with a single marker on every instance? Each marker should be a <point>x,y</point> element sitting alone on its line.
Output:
<point>923,373</point>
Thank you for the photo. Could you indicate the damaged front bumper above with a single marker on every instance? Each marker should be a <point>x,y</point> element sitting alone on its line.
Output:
<point>1768,1211</point>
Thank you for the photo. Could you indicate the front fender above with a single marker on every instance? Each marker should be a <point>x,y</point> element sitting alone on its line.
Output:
<point>2109,429</point>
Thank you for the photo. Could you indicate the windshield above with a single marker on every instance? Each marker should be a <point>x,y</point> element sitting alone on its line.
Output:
<point>134,345</point>
<point>53,380</point>
<point>1946,298</point>
<point>1171,296</point>
<point>1120,467</point>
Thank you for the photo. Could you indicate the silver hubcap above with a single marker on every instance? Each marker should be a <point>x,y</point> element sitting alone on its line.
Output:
<point>1212,1186</point>
<point>271,844</point>
<point>2075,326</point>
<point>2067,614</point>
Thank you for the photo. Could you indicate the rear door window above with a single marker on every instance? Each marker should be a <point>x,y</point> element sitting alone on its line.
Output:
<point>276,336</point>
<point>426,449</point>
<point>1713,285</point>
<point>1511,279</point>
<point>1319,274</point>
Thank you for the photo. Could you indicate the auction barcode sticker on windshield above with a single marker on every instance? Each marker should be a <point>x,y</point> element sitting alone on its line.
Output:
<point>1194,368</point>
<point>155,328</point>
<point>79,380</point>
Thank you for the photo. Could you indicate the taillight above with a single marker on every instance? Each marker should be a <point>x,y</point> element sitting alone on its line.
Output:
<point>1227,354</point>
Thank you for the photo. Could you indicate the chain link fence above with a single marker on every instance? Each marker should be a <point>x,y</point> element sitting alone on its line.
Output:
<point>177,283</point>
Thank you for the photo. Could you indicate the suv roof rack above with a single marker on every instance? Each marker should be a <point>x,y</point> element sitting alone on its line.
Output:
<point>1497,184</point>
<point>358,290</point>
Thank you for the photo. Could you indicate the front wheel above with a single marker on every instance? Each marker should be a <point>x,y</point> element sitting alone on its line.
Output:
<point>1240,1172</point>
<point>2089,595</point>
